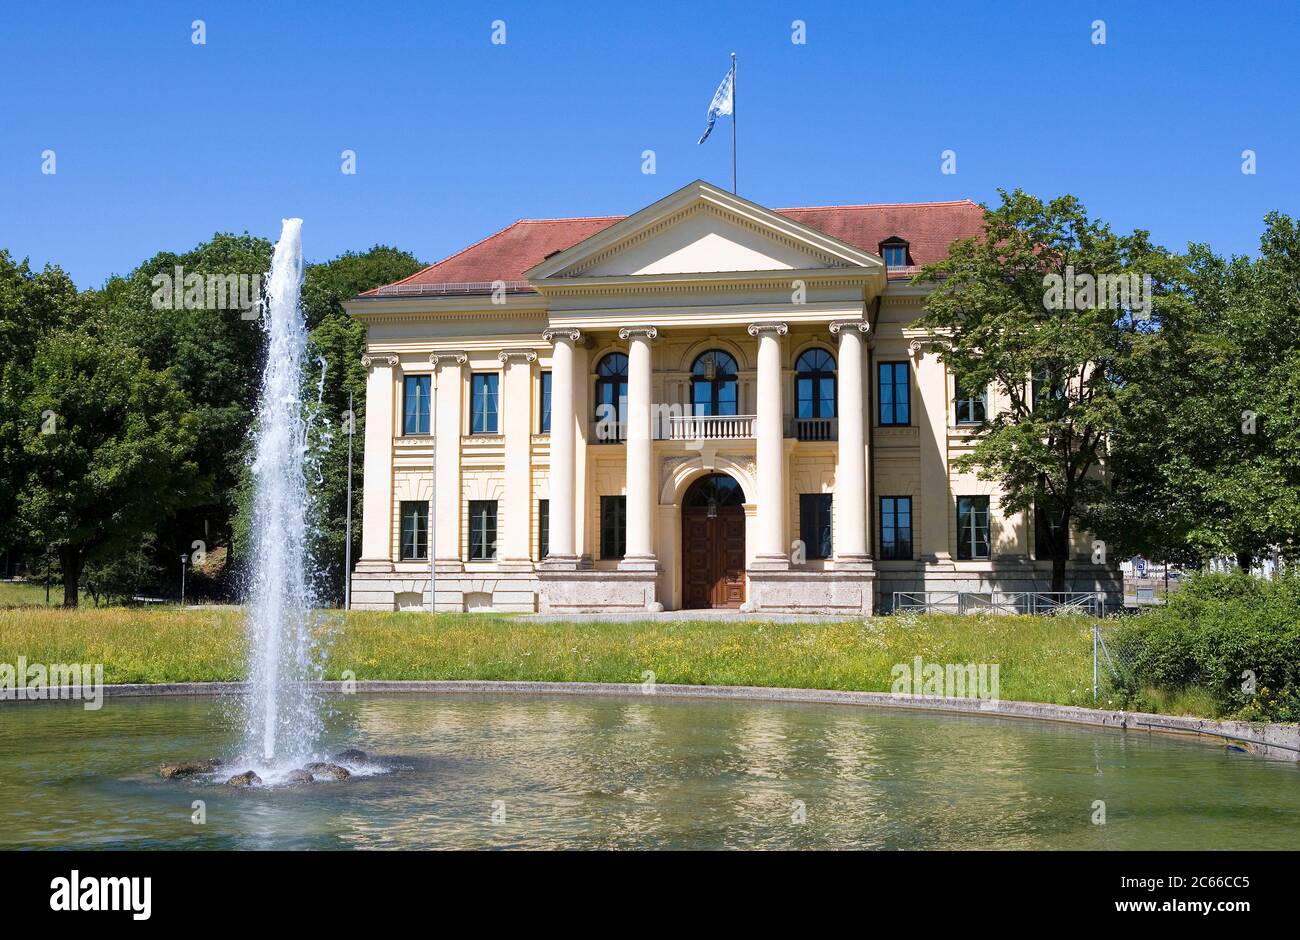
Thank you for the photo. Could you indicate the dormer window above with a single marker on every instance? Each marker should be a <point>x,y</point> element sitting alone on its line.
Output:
<point>894,251</point>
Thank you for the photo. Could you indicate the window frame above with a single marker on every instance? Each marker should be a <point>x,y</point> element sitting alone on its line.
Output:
<point>420,518</point>
<point>958,401</point>
<point>544,402</point>
<point>486,550</point>
<point>490,380</point>
<point>893,365</point>
<point>891,551</point>
<point>815,378</point>
<point>613,522</point>
<point>617,382</point>
<point>715,385</point>
<point>967,549</point>
<point>821,516</point>
<point>418,380</point>
<point>543,528</point>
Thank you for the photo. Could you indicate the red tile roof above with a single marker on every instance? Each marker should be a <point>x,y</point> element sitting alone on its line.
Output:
<point>928,227</point>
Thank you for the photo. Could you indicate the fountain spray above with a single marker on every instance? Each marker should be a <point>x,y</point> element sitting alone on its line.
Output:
<point>282,723</point>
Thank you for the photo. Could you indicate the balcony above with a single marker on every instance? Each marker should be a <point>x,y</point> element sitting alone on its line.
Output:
<point>814,429</point>
<point>708,428</point>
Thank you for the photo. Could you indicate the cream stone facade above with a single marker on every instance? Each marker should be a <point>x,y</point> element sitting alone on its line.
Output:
<point>742,348</point>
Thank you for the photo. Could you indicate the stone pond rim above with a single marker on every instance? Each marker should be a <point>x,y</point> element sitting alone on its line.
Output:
<point>1275,741</point>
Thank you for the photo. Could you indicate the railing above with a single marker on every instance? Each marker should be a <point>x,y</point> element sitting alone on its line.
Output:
<point>711,427</point>
<point>1092,603</point>
<point>816,429</point>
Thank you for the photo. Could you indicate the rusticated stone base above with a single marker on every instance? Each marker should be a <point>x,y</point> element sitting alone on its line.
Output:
<point>456,592</point>
<point>596,591</point>
<point>811,592</point>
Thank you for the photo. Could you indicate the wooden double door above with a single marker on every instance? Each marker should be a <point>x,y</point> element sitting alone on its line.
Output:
<point>713,556</point>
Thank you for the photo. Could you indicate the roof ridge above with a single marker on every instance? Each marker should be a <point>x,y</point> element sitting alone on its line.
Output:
<point>884,205</point>
<point>576,218</point>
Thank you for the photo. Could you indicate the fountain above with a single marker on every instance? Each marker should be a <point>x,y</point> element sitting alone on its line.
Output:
<point>282,719</point>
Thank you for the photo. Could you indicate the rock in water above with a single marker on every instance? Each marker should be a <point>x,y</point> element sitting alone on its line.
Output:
<point>351,755</point>
<point>187,768</point>
<point>300,776</point>
<point>246,779</point>
<point>328,771</point>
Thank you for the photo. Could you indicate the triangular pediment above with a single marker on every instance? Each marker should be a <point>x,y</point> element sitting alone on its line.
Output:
<point>701,229</point>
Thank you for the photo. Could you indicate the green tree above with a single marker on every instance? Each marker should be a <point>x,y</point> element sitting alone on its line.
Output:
<point>32,303</point>
<point>1012,309</point>
<point>104,447</point>
<point>1207,459</point>
<point>214,350</point>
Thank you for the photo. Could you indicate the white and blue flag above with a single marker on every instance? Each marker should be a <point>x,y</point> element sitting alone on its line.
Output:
<point>722,101</point>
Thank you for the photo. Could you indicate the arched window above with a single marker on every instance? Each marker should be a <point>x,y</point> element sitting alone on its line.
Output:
<point>611,397</point>
<point>713,384</point>
<point>712,491</point>
<point>814,384</point>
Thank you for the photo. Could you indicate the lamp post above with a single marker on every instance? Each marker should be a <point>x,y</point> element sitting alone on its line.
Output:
<point>184,558</point>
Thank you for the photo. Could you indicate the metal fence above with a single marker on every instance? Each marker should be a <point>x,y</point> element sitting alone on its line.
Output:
<point>1091,603</point>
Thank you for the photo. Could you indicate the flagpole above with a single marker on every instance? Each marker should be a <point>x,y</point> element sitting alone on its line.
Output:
<point>733,124</point>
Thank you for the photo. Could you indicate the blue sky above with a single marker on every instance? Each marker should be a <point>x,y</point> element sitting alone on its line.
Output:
<point>160,142</point>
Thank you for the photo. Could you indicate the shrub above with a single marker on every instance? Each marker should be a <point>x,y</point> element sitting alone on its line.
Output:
<point>1235,636</point>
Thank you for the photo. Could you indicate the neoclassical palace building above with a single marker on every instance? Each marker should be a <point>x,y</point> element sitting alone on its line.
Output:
<point>705,404</point>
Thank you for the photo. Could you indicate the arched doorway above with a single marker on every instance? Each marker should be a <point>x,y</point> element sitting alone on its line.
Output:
<point>713,543</point>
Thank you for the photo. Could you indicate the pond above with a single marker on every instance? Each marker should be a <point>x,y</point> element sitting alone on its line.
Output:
<point>543,772</point>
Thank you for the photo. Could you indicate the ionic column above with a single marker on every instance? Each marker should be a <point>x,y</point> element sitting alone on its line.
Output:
<point>640,554</point>
<point>449,379</point>
<point>772,548</point>
<point>516,396</point>
<point>851,539</point>
<point>377,488</point>
<point>562,552</point>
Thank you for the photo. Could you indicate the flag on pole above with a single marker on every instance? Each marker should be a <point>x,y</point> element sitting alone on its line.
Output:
<point>722,101</point>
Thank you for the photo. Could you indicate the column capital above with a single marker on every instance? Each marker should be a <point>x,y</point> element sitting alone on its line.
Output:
<point>778,327</point>
<point>916,348</point>
<point>836,325</point>
<point>648,332</point>
<point>440,359</point>
<point>552,333</point>
<point>509,356</point>
<point>390,359</point>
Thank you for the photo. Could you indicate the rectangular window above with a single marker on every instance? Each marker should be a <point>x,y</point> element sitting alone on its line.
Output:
<point>972,527</point>
<point>896,528</point>
<point>416,404</point>
<point>415,530</point>
<point>815,524</point>
<point>895,394</point>
<point>969,407</point>
<point>483,402</point>
<point>613,526</point>
<point>543,528</point>
<point>482,529</point>
<point>546,404</point>
<point>895,256</point>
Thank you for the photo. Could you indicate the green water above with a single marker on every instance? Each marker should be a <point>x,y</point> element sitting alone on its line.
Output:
<point>636,773</point>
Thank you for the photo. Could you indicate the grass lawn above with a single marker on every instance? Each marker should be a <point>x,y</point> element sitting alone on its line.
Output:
<point>1041,659</point>
<point>28,593</point>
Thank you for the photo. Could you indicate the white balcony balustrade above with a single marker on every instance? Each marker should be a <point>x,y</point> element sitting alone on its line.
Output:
<point>710,427</point>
